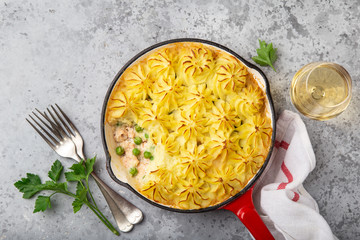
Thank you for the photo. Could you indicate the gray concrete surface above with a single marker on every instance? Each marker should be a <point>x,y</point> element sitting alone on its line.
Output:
<point>69,51</point>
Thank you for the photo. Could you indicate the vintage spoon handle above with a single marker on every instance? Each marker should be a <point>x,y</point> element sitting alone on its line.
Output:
<point>122,222</point>
<point>131,212</point>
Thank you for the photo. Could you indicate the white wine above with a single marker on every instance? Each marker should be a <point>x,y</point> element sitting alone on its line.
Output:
<point>321,90</point>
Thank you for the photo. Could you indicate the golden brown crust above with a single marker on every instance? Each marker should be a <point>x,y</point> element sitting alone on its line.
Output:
<point>205,115</point>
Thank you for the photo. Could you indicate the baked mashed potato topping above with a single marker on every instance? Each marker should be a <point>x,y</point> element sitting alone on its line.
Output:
<point>203,123</point>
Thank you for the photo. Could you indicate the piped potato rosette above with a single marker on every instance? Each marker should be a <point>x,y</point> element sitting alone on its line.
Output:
<point>198,121</point>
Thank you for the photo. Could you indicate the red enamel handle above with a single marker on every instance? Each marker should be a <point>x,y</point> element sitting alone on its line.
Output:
<point>244,208</point>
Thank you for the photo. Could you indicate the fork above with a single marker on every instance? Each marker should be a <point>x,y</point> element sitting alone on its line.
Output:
<point>63,137</point>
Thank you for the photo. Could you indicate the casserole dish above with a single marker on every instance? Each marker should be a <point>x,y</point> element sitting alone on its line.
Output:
<point>240,203</point>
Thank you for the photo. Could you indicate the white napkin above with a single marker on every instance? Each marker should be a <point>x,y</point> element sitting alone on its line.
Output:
<point>285,206</point>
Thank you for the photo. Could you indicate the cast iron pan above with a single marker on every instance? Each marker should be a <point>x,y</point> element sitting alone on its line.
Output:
<point>241,204</point>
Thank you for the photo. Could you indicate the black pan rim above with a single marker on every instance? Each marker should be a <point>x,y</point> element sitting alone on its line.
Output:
<point>128,186</point>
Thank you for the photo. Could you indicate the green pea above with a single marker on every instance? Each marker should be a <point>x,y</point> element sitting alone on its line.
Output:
<point>137,140</point>
<point>146,135</point>
<point>147,154</point>
<point>120,151</point>
<point>152,158</point>
<point>136,151</point>
<point>133,171</point>
<point>138,128</point>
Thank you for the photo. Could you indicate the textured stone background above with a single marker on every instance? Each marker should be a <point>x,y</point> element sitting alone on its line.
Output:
<point>69,51</point>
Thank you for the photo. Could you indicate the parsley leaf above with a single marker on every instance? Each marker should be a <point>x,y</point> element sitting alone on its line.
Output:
<point>42,203</point>
<point>77,204</point>
<point>29,186</point>
<point>50,185</point>
<point>81,192</point>
<point>266,55</point>
<point>89,164</point>
<point>55,171</point>
<point>78,173</point>
<point>80,197</point>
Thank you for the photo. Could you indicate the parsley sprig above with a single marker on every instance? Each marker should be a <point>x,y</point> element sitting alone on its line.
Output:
<point>80,173</point>
<point>266,54</point>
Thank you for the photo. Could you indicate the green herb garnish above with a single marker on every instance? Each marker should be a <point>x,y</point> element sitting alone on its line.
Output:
<point>133,171</point>
<point>80,173</point>
<point>120,151</point>
<point>266,55</point>
<point>136,151</point>
<point>137,140</point>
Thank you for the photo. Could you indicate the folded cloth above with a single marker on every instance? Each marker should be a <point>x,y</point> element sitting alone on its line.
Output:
<point>285,206</point>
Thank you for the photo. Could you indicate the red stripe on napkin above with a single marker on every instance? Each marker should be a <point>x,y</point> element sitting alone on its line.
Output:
<point>288,176</point>
<point>284,145</point>
<point>281,144</point>
<point>286,171</point>
<point>296,197</point>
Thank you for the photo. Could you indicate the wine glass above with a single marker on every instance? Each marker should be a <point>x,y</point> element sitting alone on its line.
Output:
<point>321,90</point>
